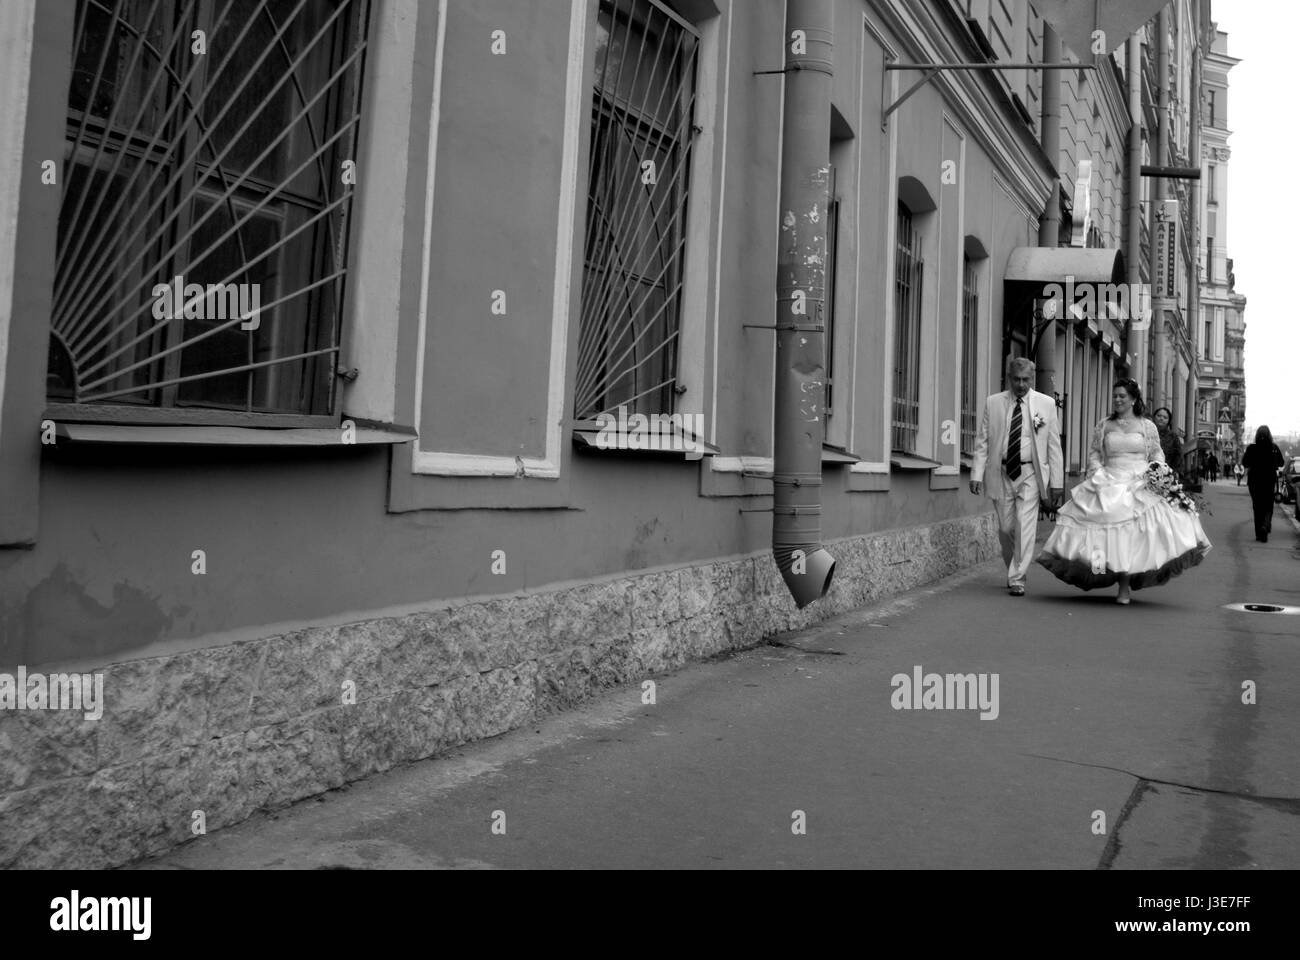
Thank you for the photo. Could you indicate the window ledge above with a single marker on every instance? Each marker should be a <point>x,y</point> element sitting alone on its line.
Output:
<point>838,455</point>
<point>910,461</point>
<point>229,436</point>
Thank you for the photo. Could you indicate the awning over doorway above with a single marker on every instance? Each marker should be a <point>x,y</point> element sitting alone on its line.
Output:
<point>1054,264</point>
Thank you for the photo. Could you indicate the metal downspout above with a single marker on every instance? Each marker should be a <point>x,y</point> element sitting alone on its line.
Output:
<point>1136,337</point>
<point>799,421</point>
<point>1049,224</point>
<point>1195,330</point>
<point>1158,339</point>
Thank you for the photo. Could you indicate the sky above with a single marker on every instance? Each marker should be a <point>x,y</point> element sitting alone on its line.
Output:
<point>1265,141</point>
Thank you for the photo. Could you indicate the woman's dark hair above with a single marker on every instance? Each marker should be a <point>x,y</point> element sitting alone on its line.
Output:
<point>1264,436</point>
<point>1166,410</point>
<point>1133,390</point>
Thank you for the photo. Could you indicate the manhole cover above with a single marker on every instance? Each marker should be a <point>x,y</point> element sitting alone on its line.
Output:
<point>1261,608</point>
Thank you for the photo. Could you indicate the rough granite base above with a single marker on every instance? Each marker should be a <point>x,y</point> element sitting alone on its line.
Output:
<point>259,724</point>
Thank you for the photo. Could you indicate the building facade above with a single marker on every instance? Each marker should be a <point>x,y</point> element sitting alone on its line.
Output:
<point>384,377</point>
<point>1222,309</point>
<point>1173,45</point>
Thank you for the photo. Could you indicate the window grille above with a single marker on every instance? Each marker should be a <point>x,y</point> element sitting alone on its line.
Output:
<point>223,168</point>
<point>970,308</point>
<point>641,139</point>
<point>907,335</point>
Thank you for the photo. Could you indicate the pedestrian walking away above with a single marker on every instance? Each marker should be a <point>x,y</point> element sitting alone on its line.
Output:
<point>1262,461</point>
<point>1239,471</point>
<point>1128,522</point>
<point>1018,465</point>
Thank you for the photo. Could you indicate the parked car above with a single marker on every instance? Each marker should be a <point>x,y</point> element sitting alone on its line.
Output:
<point>1289,479</point>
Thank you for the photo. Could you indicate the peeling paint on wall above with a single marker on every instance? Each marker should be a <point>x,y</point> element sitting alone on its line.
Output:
<point>73,624</point>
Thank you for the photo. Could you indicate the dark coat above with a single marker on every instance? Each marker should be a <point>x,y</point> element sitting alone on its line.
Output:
<point>1172,448</point>
<point>1263,464</point>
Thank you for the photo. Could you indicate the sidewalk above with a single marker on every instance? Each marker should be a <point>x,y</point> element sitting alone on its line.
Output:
<point>1133,711</point>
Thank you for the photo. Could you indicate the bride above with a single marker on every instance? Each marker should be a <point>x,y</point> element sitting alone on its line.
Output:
<point>1114,529</point>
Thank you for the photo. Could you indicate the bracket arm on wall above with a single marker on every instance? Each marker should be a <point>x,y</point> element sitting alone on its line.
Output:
<point>931,69</point>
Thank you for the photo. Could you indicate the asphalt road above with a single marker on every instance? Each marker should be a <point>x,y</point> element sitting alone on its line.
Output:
<point>1121,741</point>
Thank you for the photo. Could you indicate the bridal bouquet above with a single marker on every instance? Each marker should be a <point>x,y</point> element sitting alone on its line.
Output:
<point>1161,479</point>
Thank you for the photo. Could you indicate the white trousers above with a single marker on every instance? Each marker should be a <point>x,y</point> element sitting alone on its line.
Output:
<point>1017,511</point>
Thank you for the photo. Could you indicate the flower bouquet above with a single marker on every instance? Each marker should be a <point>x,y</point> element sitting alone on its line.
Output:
<point>1161,479</point>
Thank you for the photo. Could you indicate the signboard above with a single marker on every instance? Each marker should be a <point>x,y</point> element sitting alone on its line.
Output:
<point>1225,416</point>
<point>1082,205</point>
<point>1167,249</point>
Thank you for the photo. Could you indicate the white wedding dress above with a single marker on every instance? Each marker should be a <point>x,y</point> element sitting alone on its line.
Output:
<point>1114,524</point>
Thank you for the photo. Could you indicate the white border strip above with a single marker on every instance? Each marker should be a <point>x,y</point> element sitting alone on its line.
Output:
<point>722,212</point>
<point>17,36</point>
<point>741,464</point>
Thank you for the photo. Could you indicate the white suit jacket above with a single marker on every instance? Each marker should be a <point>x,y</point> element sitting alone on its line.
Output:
<point>991,443</point>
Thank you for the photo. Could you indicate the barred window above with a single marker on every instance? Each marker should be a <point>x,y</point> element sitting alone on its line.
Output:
<point>907,334</point>
<point>202,235</point>
<point>970,309</point>
<point>641,138</point>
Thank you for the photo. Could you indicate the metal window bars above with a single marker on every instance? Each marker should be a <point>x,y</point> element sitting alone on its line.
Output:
<point>642,136</point>
<point>907,335</point>
<point>969,355</point>
<point>223,167</point>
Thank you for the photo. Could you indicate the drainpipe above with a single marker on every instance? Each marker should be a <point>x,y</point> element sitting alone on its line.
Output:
<point>1049,224</point>
<point>1158,340</point>
<point>800,412</point>
<point>1135,342</point>
<point>1195,330</point>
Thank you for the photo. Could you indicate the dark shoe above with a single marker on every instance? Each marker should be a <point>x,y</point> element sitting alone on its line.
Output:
<point>1017,590</point>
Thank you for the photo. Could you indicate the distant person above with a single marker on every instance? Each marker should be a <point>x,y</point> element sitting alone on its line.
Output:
<point>1240,471</point>
<point>1213,465</point>
<point>1262,460</point>
<point>1170,445</point>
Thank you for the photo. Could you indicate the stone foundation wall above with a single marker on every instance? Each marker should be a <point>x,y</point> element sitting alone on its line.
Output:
<point>260,724</point>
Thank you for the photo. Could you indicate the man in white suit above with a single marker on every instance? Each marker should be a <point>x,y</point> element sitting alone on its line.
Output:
<point>1018,463</point>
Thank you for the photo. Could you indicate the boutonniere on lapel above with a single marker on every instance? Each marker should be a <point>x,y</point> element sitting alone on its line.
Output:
<point>1038,422</point>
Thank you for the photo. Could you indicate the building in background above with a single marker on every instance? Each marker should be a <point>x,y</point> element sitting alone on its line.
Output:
<point>1222,327</point>
<point>1173,45</point>
<point>1234,368</point>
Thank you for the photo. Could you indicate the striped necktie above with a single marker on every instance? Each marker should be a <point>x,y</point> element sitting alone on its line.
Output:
<point>1013,444</point>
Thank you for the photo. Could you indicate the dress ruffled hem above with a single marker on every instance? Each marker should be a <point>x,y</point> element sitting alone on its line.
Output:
<point>1079,574</point>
